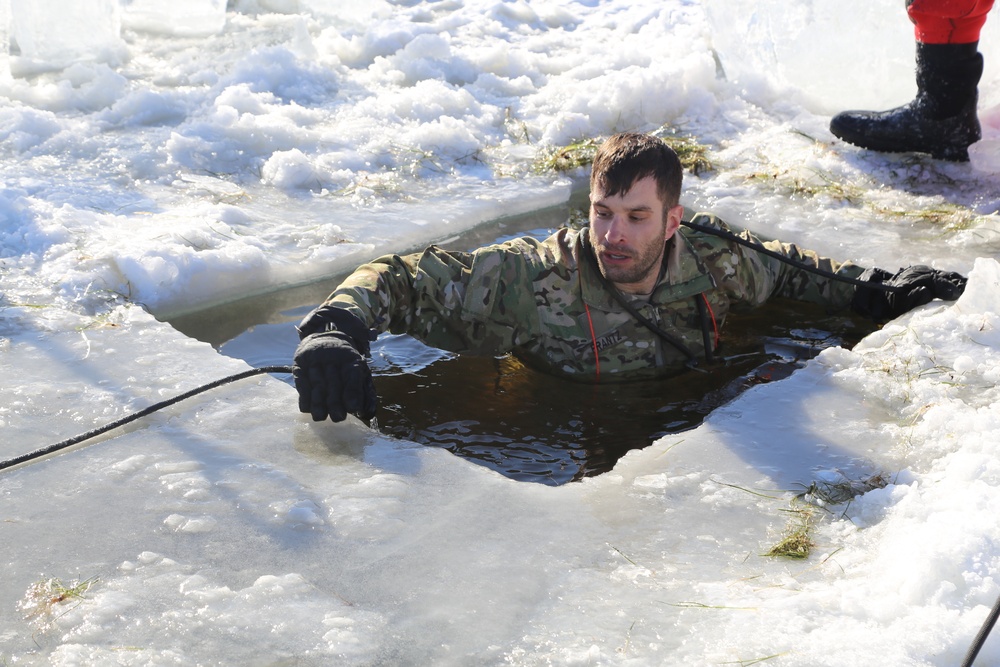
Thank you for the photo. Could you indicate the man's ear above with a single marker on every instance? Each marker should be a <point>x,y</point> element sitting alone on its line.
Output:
<point>673,220</point>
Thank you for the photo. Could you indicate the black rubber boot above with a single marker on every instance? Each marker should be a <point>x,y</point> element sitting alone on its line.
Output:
<point>941,120</point>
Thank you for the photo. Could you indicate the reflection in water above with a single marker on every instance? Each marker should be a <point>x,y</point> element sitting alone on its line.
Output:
<point>535,427</point>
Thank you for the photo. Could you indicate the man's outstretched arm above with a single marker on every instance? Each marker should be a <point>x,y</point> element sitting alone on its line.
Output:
<point>450,300</point>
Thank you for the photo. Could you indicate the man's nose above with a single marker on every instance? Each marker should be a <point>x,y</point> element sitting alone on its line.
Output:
<point>616,229</point>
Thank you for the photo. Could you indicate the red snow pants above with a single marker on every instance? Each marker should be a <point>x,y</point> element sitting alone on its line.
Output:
<point>948,21</point>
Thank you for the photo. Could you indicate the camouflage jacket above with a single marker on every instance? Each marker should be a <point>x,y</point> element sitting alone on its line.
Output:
<point>546,301</point>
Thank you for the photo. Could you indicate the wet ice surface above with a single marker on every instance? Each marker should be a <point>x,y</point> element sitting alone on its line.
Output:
<point>164,173</point>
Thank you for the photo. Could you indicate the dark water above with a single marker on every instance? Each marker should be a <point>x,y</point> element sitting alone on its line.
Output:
<point>518,421</point>
<point>535,427</point>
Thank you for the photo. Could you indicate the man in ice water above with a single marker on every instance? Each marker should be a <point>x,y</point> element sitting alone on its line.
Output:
<point>632,296</point>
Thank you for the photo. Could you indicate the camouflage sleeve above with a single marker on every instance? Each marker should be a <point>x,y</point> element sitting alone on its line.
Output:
<point>458,301</point>
<point>752,277</point>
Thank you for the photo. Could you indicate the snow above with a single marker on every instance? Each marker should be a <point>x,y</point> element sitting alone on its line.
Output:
<point>162,167</point>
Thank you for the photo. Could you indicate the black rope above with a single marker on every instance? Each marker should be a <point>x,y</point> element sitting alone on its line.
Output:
<point>984,632</point>
<point>735,238</point>
<point>38,453</point>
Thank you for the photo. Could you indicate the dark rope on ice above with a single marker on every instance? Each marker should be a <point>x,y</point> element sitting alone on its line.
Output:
<point>735,238</point>
<point>38,453</point>
<point>984,632</point>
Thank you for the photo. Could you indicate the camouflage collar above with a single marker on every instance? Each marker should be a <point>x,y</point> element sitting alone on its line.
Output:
<point>686,273</point>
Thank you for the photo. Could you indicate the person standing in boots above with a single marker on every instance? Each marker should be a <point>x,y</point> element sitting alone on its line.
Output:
<point>942,119</point>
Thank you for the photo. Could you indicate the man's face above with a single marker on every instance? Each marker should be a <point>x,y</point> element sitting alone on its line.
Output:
<point>628,232</point>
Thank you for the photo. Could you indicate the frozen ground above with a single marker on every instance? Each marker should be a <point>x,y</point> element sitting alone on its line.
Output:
<point>148,174</point>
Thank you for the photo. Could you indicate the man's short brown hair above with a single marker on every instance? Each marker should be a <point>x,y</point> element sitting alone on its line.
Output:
<point>629,157</point>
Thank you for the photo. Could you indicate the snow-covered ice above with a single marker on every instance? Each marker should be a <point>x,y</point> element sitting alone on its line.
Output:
<point>157,171</point>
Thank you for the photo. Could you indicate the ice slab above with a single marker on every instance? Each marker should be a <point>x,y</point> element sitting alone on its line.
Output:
<point>838,55</point>
<point>58,33</point>
<point>177,17</point>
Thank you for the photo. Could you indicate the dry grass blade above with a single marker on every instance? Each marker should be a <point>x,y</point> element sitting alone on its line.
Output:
<point>842,490</point>
<point>46,595</point>
<point>568,158</point>
<point>693,155</point>
<point>797,542</point>
<point>754,661</point>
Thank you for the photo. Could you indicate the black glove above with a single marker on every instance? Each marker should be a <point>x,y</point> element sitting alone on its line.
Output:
<point>914,286</point>
<point>331,374</point>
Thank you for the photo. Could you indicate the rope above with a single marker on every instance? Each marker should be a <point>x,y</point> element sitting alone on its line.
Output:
<point>38,453</point>
<point>729,236</point>
<point>981,636</point>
